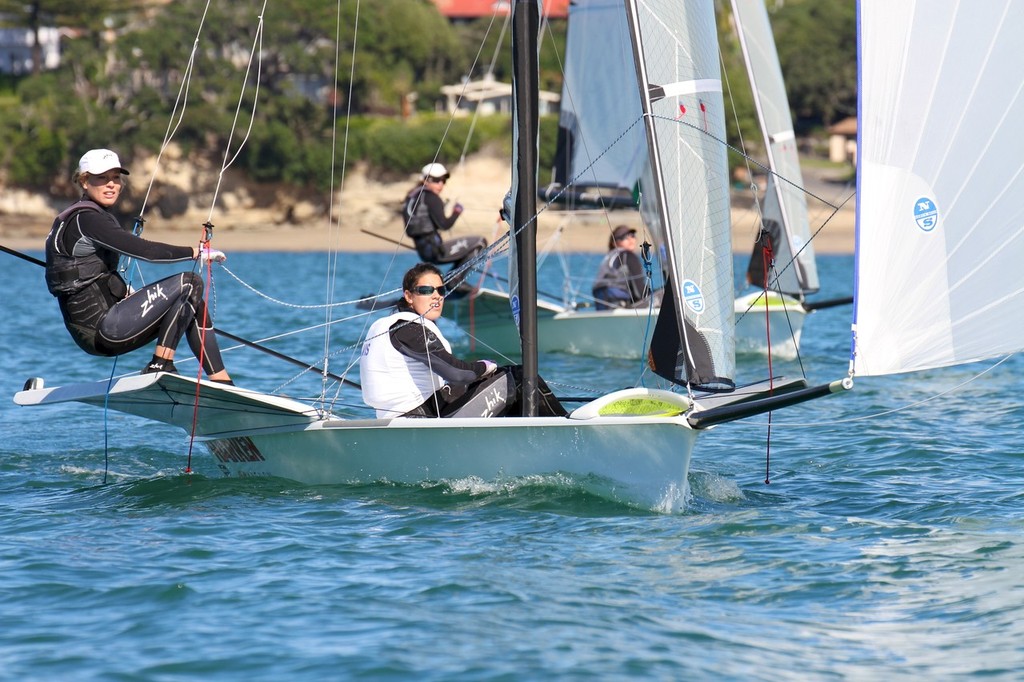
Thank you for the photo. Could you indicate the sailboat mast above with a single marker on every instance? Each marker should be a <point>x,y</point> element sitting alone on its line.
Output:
<point>525,27</point>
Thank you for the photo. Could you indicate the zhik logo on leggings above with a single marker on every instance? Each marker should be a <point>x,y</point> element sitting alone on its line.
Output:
<point>151,295</point>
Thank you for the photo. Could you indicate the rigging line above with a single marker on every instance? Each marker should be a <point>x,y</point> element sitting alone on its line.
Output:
<point>835,212</point>
<point>238,339</point>
<point>281,356</point>
<point>490,70</point>
<point>735,113</point>
<point>739,132</point>
<point>498,45</point>
<point>333,254</point>
<point>761,166</point>
<point>300,306</point>
<point>835,208</point>
<point>182,99</point>
<point>465,84</point>
<point>257,49</point>
<point>172,128</point>
<point>895,410</point>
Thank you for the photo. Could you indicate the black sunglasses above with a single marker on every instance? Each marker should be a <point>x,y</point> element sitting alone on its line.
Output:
<point>427,290</point>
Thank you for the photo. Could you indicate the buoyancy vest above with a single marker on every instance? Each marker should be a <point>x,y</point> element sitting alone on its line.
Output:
<point>417,215</point>
<point>86,285</point>
<point>67,273</point>
<point>609,276</point>
<point>393,383</point>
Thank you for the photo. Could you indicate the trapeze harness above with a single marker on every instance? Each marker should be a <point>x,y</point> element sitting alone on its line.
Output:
<point>420,225</point>
<point>392,382</point>
<point>81,272</point>
<point>424,219</point>
<point>614,282</point>
<point>398,381</point>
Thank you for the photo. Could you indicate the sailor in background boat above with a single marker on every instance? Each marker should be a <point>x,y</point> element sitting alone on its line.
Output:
<point>407,367</point>
<point>425,219</point>
<point>102,315</point>
<point>621,281</point>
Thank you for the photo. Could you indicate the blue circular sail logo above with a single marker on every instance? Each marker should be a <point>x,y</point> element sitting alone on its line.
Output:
<point>691,294</point>
<point>926,214</point>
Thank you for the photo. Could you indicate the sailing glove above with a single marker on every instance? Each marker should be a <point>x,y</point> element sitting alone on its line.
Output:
<point>208,255</point>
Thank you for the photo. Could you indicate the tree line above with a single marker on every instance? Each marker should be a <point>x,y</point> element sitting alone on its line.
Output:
<point>120,83</point>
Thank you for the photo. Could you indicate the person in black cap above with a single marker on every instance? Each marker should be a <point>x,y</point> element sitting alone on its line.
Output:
<point>425,219</point>
<point>621,281</point>
<point>102,315</point>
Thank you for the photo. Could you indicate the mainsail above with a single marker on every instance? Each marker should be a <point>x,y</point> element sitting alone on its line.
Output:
<point>600,141</point>
<point>686,194</point>
<point>785,207</point>
<point>940,223</point>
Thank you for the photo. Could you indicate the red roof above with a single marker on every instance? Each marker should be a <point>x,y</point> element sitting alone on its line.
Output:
<point>472,9</point>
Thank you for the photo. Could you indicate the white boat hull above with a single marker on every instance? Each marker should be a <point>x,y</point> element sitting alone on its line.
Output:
<point>619,333</point>
<point>639,461</point>
<point>783,319</point>
<point>632,446</point>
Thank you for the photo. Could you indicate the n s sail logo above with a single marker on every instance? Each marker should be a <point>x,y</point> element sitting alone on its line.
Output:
<point>691,294</point>
<point>926,214</point>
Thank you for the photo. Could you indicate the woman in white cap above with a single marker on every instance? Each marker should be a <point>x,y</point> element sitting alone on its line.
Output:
<point>82,253</point>
<point>425,220</point>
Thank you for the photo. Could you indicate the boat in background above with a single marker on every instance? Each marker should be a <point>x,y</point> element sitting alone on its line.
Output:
<point>602,160</point>
<point>783,270</point>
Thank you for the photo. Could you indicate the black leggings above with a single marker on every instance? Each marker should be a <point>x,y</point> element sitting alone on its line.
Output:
<point>163,311</point>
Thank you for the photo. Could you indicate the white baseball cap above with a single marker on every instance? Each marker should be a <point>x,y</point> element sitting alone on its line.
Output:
<point>97,161</point>
<point>436,171</point>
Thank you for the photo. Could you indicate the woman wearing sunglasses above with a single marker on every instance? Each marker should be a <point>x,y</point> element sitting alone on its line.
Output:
<point>407,367</point>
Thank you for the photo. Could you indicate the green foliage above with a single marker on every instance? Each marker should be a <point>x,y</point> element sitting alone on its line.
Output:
<point>397,148</point>
<point>184,68</point>
<point>817,44</point>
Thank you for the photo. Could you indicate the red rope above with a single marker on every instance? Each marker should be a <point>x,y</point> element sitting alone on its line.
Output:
<point>767,262</point>
<point>204,243</point>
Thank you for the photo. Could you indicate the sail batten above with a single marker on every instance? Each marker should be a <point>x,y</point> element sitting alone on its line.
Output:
<point>939,216</point>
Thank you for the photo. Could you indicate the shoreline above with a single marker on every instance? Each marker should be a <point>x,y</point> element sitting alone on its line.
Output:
<point>835,238</point>
<point>370,220</point>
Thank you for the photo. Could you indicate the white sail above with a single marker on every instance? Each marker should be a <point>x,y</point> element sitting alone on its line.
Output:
<point>785,202</point>
<point>600,117</point>
<point>681,92</point>
<point>940,223</point>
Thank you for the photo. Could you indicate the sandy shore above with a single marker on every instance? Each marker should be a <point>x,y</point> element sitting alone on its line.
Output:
<point>367,219</point>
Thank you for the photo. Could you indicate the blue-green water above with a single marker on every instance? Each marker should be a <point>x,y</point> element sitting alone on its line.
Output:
<point>887,545</point>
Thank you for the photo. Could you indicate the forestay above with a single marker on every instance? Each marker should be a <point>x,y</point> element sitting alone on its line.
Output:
<point>685,197</point>
<point>940,221</point>
<point>784,203</point>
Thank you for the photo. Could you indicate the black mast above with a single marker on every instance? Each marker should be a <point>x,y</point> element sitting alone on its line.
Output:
<point>525,27</point>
